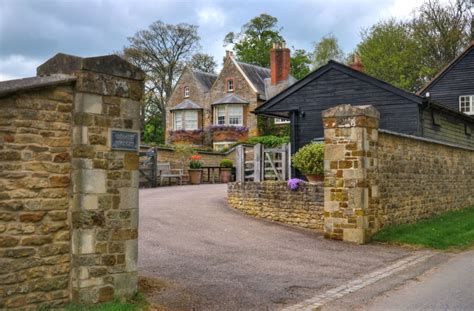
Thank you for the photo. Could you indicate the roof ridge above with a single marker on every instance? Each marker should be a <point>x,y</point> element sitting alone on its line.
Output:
<point>203,72</point>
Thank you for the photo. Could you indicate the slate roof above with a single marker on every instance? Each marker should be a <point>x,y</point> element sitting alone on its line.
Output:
<point>11,86</point>
<point>256,75</point>
<point>206,80</point>
<point>187,104</point>
<point>230,98</point>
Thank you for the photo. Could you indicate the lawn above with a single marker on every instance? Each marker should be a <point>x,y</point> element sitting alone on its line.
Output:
<point>449,230</point>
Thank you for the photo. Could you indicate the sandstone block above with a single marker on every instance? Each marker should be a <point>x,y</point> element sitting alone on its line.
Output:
<point>88,103</point>
<point>131,161</point>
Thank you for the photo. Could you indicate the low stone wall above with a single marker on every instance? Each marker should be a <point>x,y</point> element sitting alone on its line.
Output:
<point>274,201</point>
<point>416,179</point>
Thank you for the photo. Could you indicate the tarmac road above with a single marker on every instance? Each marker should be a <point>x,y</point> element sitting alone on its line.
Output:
<point>212,257</point>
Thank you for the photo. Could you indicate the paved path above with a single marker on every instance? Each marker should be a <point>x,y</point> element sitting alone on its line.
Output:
<point>214,258</point>
<point>449,286</point>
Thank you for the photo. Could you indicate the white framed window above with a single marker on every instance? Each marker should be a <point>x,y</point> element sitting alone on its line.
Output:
<point>220,115</point>
<point>229,115</point>
<point>186,120</point>
<point>281,121</point>
<point>466,104</point>
<point>186,91</point>
<point>230,85</point>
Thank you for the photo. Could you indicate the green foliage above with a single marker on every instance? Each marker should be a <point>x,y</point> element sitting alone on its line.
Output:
<point>310,159</point>
<point>227,163</point>
<point>326,49</point>
<point>256,38</point>
<point>136,303</point>
<point>269,141</point>
<point>389,52</point>
<point>300,63</point>
<point>448,230</point>
<point>203,62</point>
<point>183,152</point>
<point>408,54</point>
<point>154,130</point>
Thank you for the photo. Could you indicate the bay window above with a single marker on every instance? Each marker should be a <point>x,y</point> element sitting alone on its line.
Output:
<point>229,115</point>
<point>466,104</point>
<point>186,120</point>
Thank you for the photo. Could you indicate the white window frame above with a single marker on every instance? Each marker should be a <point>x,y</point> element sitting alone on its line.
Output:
<point>469,100</point>
<point>180,117</point>
<point>186,91</point>
<point>230,85</point>
<point>227,115</point>
<point>281,121</point>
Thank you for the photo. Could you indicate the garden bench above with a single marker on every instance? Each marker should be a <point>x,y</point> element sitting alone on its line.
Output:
<point>164,171</point>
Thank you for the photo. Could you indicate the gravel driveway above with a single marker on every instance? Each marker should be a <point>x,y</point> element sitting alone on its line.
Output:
<point>210,257</point>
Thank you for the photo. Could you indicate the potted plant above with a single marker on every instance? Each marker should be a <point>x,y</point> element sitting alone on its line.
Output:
<point>309,160</point>
<point>195,170</point>
<point>225,170</point>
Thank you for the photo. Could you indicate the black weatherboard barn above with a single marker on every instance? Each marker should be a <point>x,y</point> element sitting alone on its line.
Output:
<point>335,84</point>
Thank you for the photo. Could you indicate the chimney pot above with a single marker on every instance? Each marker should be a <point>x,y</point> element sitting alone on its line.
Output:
<point>229,54</point>
<point>357,63</point>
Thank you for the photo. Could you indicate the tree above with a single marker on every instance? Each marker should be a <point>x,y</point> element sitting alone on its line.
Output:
<point>327,49</point>
<point>161,51</point>
<point>203,62</point>
<point>253,43</point>
<point>442,31</point>
<point>389,52</point>
<point>300,63</point>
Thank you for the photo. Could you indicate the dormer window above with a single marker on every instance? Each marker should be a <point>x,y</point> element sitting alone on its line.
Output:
<point>230,85</point>
<point>186,91</point>
<point>466,104</point>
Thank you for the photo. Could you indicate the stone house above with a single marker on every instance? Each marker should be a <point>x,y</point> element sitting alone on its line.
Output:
<point>216,110</point>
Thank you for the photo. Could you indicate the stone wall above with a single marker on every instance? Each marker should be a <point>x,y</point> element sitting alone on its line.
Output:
<point>274,201</point>
<point>35,168</point>
<point>417,179</point>
<point>68,202</point>
<point>375,178</point>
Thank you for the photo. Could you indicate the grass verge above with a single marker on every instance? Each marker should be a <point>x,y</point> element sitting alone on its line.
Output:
<point>136,303</point>
<point>449,230</point>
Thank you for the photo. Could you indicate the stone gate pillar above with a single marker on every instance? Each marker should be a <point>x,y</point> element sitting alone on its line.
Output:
<point>104,192</point>
<point>350,134</point>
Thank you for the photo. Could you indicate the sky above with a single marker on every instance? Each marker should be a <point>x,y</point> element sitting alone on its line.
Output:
<point>32,31</point>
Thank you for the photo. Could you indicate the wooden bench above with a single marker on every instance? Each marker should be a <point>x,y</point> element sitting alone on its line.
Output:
<point>164,170</point>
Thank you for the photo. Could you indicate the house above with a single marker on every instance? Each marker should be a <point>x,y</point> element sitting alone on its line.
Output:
<point>215,110</point>
<point>401,111</point>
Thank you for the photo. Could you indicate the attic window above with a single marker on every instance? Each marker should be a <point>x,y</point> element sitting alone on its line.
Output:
<point>466,104</point>
<point>186,91</point>
<point>230,85</point>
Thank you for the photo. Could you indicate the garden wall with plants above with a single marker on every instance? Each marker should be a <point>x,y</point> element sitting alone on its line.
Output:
<point>274,200</point>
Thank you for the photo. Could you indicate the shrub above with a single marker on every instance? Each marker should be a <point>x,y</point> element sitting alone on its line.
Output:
<point>269,141</point>
<point>310,159</point>
<point>226,163</point>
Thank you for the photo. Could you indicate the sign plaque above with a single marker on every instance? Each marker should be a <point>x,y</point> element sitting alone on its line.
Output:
<point>125,140</point>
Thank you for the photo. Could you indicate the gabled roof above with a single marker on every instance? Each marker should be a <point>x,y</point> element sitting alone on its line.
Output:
<point>256,75</point>
<point>230,98</point>
<point>12,86</point>
<point>186,104</point>
<point>205,80</point>
<point>447,68</point>
<point>333,65</point>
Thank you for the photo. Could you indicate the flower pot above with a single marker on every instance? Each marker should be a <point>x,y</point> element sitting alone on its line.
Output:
<point>314,178</point>
<point>225,175</point>
<point>195,176</point>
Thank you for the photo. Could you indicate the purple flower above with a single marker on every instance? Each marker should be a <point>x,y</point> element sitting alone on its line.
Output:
<point>294,183</point>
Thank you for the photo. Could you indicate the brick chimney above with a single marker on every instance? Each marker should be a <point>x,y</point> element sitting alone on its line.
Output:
<point>279,62</point>
<point>357,63</point>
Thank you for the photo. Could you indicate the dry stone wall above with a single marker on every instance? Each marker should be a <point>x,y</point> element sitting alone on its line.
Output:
<point>417,179</point>
<point>274,201</point>
<point>68,202</point>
